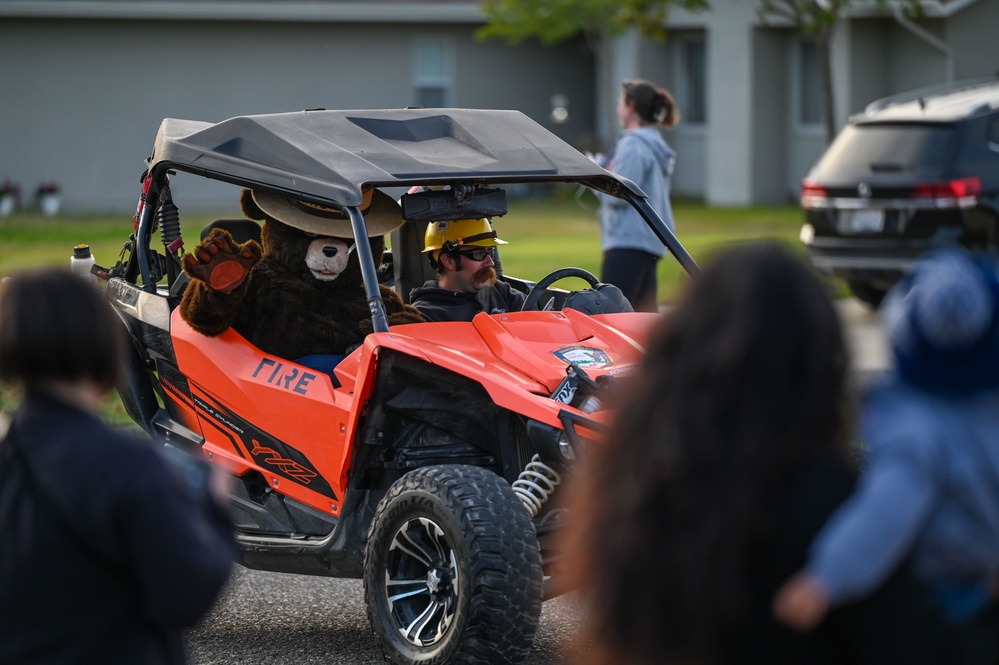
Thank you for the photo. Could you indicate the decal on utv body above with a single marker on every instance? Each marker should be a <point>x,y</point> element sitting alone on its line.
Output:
<point>269,453</point>
<point>583,356</point>
<point>275,372</point>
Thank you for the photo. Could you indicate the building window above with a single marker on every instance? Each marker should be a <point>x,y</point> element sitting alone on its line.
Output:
<point>808,103</point>
<point>691,94</point>
<point>433,73</point>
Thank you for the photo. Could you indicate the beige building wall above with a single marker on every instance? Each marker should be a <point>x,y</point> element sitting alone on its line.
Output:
<point>86,83</point>
<point>84,97</point>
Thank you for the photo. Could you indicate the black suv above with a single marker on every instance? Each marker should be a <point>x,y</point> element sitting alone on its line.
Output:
<point>911,173</point>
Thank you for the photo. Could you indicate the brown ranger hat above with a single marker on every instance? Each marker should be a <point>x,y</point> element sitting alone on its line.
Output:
<point>381,214</point>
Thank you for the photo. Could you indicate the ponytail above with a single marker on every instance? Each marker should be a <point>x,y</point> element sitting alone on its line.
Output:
<point>666,113</point>
<point>653,105</point>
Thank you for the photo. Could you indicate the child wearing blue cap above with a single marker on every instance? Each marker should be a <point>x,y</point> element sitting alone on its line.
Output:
<point>930,493</point>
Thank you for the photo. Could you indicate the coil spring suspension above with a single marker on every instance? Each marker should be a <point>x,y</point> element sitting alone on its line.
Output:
<point>169,219</point>
<point>536,483</point>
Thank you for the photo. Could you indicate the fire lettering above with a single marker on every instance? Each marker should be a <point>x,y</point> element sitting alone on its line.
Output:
<point>288,378</point>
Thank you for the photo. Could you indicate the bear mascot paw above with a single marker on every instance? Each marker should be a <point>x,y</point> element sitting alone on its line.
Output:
<point>300,291</point>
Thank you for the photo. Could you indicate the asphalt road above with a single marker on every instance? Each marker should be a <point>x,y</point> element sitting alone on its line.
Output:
<point>865,337</point>
<point>275,618</point>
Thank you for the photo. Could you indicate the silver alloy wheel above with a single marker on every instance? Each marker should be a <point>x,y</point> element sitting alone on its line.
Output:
<point>452,569</point>
<point>422,581</point>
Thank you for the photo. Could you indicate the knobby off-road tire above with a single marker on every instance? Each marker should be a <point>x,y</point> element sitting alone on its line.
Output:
<point>452,570</point>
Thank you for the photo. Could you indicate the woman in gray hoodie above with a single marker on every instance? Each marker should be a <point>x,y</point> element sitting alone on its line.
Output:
<point>631,250</point>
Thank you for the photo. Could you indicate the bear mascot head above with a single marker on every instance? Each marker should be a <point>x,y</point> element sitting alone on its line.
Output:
<point>299,292</point>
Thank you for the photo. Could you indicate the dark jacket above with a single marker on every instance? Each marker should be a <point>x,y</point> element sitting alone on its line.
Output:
<point>438,304</point>
<point>106,554</point>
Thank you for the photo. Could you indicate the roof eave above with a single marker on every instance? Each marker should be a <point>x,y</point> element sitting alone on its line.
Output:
<point>930,8</point>
<point>373,12</point>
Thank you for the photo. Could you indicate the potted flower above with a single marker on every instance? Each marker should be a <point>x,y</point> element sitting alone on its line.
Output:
<point>48,198</point>
<point>10,196</point>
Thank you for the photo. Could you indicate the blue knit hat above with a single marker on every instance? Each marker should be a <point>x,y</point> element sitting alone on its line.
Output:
<point>943,323</point>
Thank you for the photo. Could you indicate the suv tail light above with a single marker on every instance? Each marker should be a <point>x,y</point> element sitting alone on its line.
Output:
<point>813,196</point>
<point>960,193</point>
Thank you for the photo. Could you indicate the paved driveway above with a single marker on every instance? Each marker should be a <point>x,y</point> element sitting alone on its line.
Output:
<point>279,619</point>
<point>869,350</point>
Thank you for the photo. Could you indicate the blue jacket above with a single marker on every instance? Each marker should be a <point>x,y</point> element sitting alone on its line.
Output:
<point>644,157</point>
<point>931,489</point>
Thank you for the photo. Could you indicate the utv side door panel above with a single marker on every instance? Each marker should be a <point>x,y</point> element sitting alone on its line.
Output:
<point>251,405</point>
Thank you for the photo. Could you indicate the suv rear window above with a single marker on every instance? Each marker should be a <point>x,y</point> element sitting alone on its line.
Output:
<point>886,148</point>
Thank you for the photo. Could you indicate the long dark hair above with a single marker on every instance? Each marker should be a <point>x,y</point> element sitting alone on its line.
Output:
<point>742,382</point>
<point>653,105</point>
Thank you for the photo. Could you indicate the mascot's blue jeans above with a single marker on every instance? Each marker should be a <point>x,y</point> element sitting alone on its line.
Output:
<point>323,362</point>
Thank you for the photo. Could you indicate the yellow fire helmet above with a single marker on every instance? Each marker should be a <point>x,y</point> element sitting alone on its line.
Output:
<point>452,235</point>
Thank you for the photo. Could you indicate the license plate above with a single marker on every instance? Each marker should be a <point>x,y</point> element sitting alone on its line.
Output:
<point>865,221</point>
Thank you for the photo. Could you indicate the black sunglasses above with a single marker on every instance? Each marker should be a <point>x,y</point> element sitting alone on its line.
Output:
<point>477,253</point>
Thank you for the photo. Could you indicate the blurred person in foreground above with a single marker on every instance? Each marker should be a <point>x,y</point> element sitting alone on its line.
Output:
<point>728,453</point>
<point>932,483</point>
<point>109,548</point>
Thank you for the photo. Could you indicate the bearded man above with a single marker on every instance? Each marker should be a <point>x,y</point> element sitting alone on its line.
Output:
<point>463,252</point>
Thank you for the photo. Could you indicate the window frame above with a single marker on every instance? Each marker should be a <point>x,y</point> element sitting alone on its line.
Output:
<point>799,44</point>
<point>684,77</point>
<point>443,81</point>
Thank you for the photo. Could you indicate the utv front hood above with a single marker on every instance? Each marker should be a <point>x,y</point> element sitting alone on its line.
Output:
<point>531,350</point>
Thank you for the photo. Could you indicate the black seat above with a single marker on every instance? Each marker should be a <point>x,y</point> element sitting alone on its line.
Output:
<point>410,266</point>
<point>241,230</point>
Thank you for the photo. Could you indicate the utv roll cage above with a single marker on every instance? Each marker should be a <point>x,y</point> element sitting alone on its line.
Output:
<point>329,157</point>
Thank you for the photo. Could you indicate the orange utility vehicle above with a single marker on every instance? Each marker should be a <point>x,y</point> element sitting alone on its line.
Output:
<point>429,462</point>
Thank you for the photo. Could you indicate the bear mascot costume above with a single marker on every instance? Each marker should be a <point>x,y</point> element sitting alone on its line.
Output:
<point>301,293</point>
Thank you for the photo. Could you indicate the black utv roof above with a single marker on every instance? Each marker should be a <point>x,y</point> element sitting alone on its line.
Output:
<point>330,155</point>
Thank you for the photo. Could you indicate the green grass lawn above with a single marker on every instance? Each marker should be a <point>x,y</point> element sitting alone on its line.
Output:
<point>544,235</point>
<point>559,232</point>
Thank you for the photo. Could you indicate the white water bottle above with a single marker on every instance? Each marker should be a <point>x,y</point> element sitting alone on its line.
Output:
<point>82,261</point>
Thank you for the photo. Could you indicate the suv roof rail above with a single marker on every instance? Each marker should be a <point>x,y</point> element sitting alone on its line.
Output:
<point>924,95</point>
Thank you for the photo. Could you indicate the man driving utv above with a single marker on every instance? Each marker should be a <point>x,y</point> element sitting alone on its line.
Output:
<point>463,254</point>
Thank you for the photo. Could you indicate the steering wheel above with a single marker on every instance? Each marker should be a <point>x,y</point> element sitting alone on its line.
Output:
<point>538,290</point>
